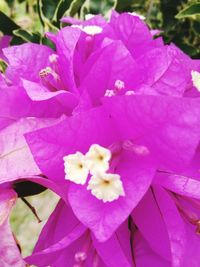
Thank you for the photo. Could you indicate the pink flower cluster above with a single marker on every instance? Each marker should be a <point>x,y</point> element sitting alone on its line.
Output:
<point>110,121</point>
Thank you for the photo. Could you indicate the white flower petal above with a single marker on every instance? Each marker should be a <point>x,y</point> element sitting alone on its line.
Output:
<point>75,168</point>
<point>97,159</point>
<point>196,79</point>
<point>106,186</point>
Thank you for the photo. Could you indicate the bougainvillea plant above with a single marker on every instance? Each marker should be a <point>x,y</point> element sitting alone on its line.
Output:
<point>110,121</point>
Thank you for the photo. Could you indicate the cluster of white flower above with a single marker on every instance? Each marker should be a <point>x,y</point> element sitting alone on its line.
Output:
<point>104,186</point>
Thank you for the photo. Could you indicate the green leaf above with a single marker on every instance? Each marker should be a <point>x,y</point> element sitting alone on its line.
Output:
<point>48,42</point>
<point>45,12</point>
<point>97,7</point>
<point>10,2</point>
<point>61,9</point>
<point>17,41</point>
<point>7,25</point>
<point>123,5</point>
<point>189,11</point>
<point>3,66</point>
<point>75,7</point>
<point>50,12</point>
<point>48,8</point>
<point>169,9</point>
<point>26,36</point>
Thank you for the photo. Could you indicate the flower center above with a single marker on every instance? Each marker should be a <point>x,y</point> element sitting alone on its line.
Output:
<point>49,76</point>
<point>119,89</point>
<point>106,186</point>
<point>190,216</point>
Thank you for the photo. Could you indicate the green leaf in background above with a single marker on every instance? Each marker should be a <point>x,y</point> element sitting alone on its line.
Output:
<point>122,5</point>
<point>26,36</point>
<point>10,2</point>
<point>97,7</point>
<point>169,9</point>
<point>7,25</point>
<point>48,8</point>
<point>3,66</point>
<point>75,7</point>
<point>61,9</point>
<point>50,12</point>
<point>189,11</point>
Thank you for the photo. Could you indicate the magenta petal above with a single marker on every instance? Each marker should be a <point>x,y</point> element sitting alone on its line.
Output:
<point>54,239</point>
<point>53,230</point>
<point>66,42</point>
<point>27,59</point>
<point>167,70</point>
<point>4,42</point>
<point>183,185</point>
<point>16,159</point>
<point>128,29</point>
<point>15,104</point>
<point>38,92</point>
<point>50,145</point>
<point>71,20</point>
<point>168,126</point>
<point>175,225</point>
<point>9,252</point>
<point>116,251</point>
<point>65,100</point>
<point>192,256</point>
<point>150,223</point>
<point>144,256</point>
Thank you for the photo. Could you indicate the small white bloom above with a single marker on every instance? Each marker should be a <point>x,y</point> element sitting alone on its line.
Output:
<point>109,93</point>
<point>196,79</point>
<point>137,15</point>
<point>53,58</point>
<point>119,85</point>
<point>92,29</point>
<point>89,16</point>
<point>97,159</point>
<point>77,26</point>
<point>75,168</point>
<point>106,186</point>
<point>131,92</point>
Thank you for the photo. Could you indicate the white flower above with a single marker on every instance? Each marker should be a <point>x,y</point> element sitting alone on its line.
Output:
<point>137,15</point>
<point>53,58</point>
<point>89,16</point>
<point>90,29</point>
<point>97,159</point>
<point>196,79</point>
<point>131,92</point>
<point>119,85</point>
<point>106,186</point>
<point>75,168</point>
<point>109,93</point>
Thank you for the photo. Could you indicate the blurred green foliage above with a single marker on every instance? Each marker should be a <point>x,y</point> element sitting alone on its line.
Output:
<point>27,20</point>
